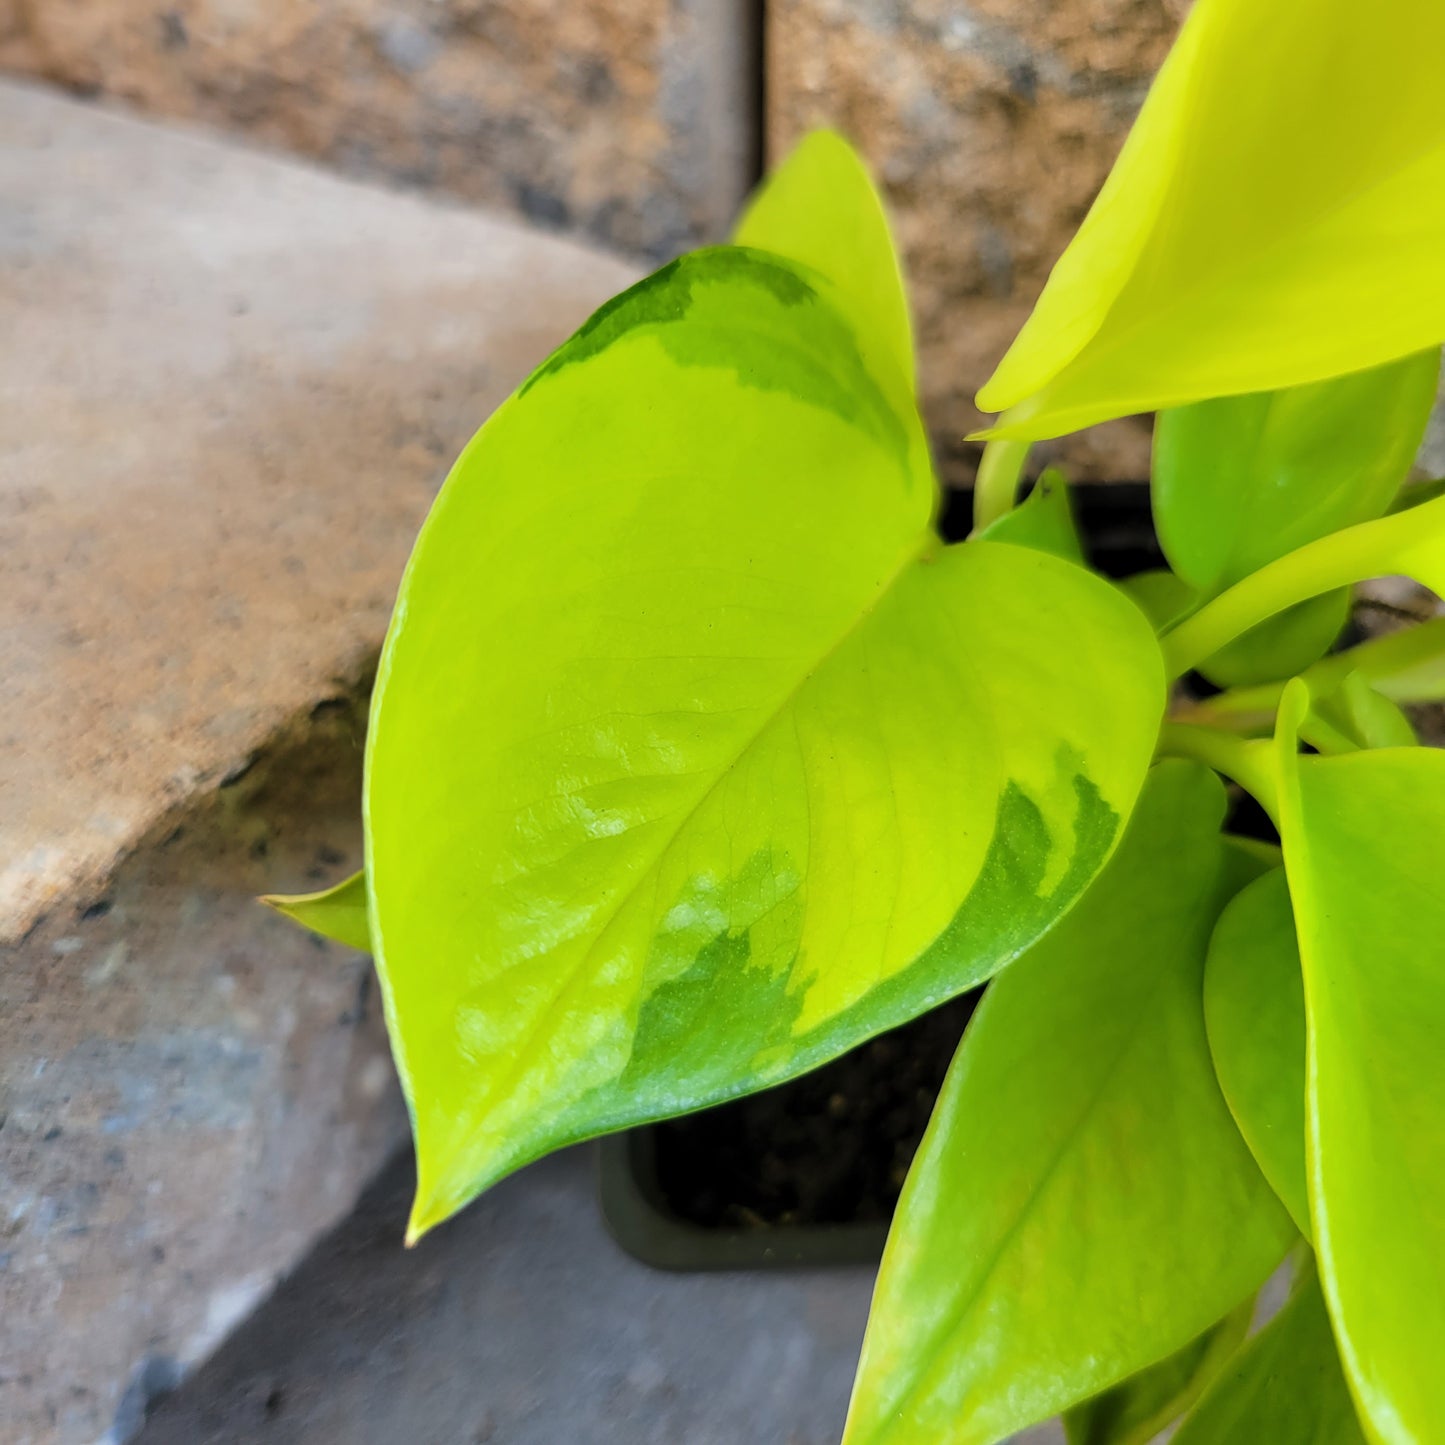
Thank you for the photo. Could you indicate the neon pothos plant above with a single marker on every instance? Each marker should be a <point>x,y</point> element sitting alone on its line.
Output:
<point>696,757</point>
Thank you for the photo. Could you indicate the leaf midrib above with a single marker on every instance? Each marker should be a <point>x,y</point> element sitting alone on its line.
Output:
<point>525,1049</point>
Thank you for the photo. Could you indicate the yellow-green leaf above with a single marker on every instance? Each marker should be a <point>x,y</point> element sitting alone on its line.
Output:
<point>694,756</point>
<point>1082,1205</point>
<point>337,913</point>
<point>1241,480</point>
<point>1277,217</point>
<point>1045,520</point>
<point>1135,1411</point>
<point>1411,543</point>
<point>820,207</point>
<point>1284,1388</point>
<point>1161,595</point>
<point>1281,647</point>
<point>1359,716</point>
<point>1361,839</point>
<point>1255,1009</point>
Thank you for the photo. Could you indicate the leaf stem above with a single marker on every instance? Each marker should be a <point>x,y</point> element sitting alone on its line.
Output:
<point>1248,762</point>
<point>995,489</point>
<point>1371,549</point>
<point>1406,666</point>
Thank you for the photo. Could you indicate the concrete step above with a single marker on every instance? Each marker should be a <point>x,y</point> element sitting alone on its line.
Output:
<point>230,386</point>
<point>521,1323</point>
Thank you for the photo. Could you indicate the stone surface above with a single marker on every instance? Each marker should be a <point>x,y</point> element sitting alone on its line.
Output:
<point>231,386</point>
<point>631,120</point>
<point>520,1323</point>
<point>991,125</point>
<point>190,1090</point>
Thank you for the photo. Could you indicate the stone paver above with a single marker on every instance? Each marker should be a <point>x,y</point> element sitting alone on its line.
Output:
<point>631,120</point>
<point>230,386</point>
<point>521,1323</point>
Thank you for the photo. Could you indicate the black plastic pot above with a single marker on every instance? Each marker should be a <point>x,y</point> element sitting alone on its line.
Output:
<point>800,1195</point>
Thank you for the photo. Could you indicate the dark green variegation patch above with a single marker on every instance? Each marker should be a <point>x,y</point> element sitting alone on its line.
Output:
<point>730,306</point>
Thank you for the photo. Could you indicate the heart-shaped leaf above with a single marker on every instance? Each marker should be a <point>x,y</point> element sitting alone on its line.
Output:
<point>1361,839</point>
<point>1359,717</point>
<point>820,208</point>
<point>1044,520</point>
<point>1136,1410</point>
<point>1284,1388</point>
<point>695,758</point>
<point>1082,1205</point>
<point>1411,543</point>
<point>1276,217</point>
<point>1241,480</point>
<point>1285,645</point>
<point>1254,1006</point>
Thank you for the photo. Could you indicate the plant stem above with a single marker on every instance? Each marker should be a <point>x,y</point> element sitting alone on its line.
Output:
<point>1371,549</point>
<point>1239,710</point>
<point>995,489</point>
<point>1248,762</point>
<point>1405,666</point>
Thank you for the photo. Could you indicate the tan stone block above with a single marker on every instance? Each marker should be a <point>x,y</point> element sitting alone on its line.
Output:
<point>630,120</point>
<point>991,127</point>
<point>231,386</point>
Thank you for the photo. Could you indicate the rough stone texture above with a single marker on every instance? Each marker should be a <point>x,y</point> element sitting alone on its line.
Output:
<point>190,1090</point>
<point>520,1323</point>
<point>992,126</point>
<point>632,120</point>
<point>231,387</point>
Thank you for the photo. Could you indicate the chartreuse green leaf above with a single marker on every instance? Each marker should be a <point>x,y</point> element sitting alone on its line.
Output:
<point>337,913</point>
<point>1407,666</point>
<point>1082,1205</point>
<point>1135,1411</point>
<point>694,756</point>
<point>1410,543</point>
<point>1355,716</point>
<point>1361,837</point>
<point>1044,521</point>
<point>1241,480</point>
<point>1162,595</point>
<point>1276,217</point>
<point>1255,1010</point>
<point>820,207</point>
<point>1404,666</point>
<point>1284,1388</point>
<point>1281,647</point>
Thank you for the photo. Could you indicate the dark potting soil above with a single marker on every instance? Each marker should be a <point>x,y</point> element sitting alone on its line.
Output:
<point>834,1146</point>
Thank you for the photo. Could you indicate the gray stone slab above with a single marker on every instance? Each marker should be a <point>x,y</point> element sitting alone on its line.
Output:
<point>191,1090</point>
<point>521,1323</point>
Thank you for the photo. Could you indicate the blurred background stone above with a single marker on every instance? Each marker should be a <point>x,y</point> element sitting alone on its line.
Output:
<point>631,121</point>
<point>643,123</point>
<point>991,126</point>
<point>231,386</point>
